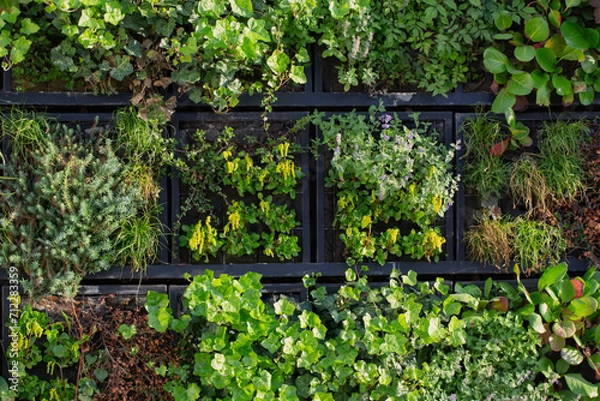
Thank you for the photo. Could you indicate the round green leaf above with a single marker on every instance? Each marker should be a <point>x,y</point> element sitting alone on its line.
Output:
<point>503,21</point>
<point>575,35</point>
<point>520,84</point>
<point>571,355</point>
<point>494,60</point>
<point>503,101</point>
<point>542,96</point>
<point>589,64</point>
<point>524,53</point>
<point>546,58</point>
<point>587,96</point>
<point>537,29</point>
<point>561,84</point>
<point>564,328</point>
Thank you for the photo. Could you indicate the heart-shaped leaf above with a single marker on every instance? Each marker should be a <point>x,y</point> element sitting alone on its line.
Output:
<point>546,58</point>
<point>575,35</point>
<point>537,29</point>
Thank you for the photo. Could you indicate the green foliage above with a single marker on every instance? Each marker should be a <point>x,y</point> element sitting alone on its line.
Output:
<point>385,172</point>
<point>565,313</point>
<point>267,173</point>
<point>433,46</point>
<point>43,343</point>
<point>551,47</point>
<point>73,209</point>
<point>406,340</point>
<point>215,51</point>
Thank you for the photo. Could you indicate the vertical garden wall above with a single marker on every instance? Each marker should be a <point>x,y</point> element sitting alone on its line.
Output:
<point>294,139</point>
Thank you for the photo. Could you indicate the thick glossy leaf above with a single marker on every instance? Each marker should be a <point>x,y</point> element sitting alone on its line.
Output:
<point>494,60</point>
<point>582,307</point>
<point>503,101</point>
<point>561,84</point>
<point>524,53</point>
<point>566,291</point>
<point>552,275</point>
<point>520,84</point>
<point>590,63</point>
<point>581,386</point>
<point>503,21</point>
<point>564,328</point>
<point>575,35</point>
<point>571,355</point>
<point>536,323</point>
<point>556,342</point>
<point>555,18</point>
<point>572,3</point>
<point>540,78</point>
<point>546,58</point>
<point>537,29</point>
<point>587,97</point>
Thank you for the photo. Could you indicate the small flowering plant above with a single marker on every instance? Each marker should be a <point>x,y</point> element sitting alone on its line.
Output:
<point>255,184</point>
<point>392,184</point>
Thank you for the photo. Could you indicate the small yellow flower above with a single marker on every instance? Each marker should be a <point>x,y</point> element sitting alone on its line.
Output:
<point>434,241</point>
<point>249,162</point>
<point>231,167</point>
<point>436,203</point>
<point>226,154</point>
<point>393,234</point>
<point>283,149</point>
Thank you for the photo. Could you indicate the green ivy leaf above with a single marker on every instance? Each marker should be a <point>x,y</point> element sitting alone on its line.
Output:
<point>537,29</point>
<point>122,68</point>
<point>520,84</point>
<point>574,35</point>
<point>503,101</point>
<point>29,27</point>
<point>494,60</point>
<point>20,48</point>
<point>278,62</point>
<point>243,8</point>
<point>581,386</point>
<point>114,14</point>
<point>546,58</point>
<point>297,74</point>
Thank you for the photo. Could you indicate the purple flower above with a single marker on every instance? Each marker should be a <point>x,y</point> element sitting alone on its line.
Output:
<point>386,137</point>
<point>453,397</point>
<point>385,121</point>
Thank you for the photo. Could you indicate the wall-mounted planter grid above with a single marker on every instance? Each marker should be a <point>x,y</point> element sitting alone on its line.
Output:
<point>314,204</point>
